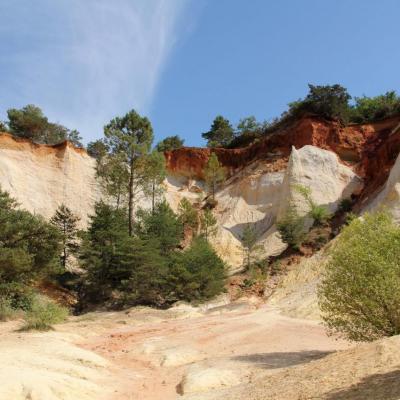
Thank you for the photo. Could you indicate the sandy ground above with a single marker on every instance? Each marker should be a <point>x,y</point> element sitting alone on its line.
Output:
<point>152,358</point>
<point>148,354</point>
<point>230,351</point>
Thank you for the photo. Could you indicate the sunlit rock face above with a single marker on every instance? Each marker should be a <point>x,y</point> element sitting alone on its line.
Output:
<point>260,198</point>
<point>389,197</point>
<point>43,177</point>
<point>333,161</point>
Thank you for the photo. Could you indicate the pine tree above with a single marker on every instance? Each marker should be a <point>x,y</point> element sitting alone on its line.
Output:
<point>161,225</point>
<point>155,173</point>
<point>197,273</point>
<point>97,149</point>
<point>208,224</point>
<point>170,143</point>
<point>220,134</point>
<point>28,250</point>
<point>188,215</point>
<point>118,265</point>
<point>114,177</point>
<point>67,224</point>
<point>249,241</point>
<point>131,137</point>
<point>214,174</point>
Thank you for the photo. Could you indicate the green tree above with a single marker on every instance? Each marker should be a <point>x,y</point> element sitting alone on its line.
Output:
<point>369,109</point>
<point>131,136</point>
<point>29,249</point>
<point>248,130</point>
<point>155,173</point>
<point>188,215</point>
<point>119,267</point>
<point>161,225</point>
<point>329,101</point>
<point>291,228</point>
<point>3,127</point>
<point>214,174</point>
<point>249,241</point>
<point>196,274</point>
<point>170,143</point>
<point>220,134</point>
<point>67,224</point>
<point>28,122</point>
<point>114,177</point>
<point>97,149</point>
<point>208,224</point>
<point>360,292</point>
<point>74,137</point>
<point>101,254</point>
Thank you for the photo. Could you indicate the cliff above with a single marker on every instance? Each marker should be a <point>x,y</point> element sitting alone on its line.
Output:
<point>42,177</point>
<point>336,162</point>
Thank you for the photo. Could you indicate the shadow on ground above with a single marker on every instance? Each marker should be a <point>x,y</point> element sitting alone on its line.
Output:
<point>282,359</point>
<point>373,387</point>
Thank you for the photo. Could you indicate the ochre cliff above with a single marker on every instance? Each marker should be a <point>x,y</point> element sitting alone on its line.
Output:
<point>334,161</point>
<point>371,148</point>
<point>42,177</point>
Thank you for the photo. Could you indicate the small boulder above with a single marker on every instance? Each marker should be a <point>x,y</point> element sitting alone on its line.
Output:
<point>204,380</point>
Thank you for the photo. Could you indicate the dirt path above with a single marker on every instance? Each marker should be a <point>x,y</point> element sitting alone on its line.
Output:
<point>150,353</point>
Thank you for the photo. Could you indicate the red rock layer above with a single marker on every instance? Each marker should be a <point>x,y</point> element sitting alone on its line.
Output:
<point>11,142</point>
<point>370,148</point>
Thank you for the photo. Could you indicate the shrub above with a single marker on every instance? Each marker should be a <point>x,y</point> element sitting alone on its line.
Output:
<point>360,292</point>
<point>319,214</point>
<point>43,314</point>
<point>368,109</point>
<point>6,310</point>
<point>170,143</point>
<point>20,295</point>
<point>345,205</point>
<point>291,228</point>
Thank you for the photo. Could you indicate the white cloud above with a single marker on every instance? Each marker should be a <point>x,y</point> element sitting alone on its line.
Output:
<point>85,61</point>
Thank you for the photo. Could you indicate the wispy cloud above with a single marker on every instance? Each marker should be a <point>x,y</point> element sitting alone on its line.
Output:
<point>85,61</point>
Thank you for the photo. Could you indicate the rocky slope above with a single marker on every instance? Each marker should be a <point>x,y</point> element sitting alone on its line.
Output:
<point>335,162</point>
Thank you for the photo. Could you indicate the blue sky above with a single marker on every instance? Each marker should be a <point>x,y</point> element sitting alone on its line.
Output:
<point>182,62</point>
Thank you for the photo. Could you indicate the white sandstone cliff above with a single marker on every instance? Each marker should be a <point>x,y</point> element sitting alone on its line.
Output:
<point>43,177</point>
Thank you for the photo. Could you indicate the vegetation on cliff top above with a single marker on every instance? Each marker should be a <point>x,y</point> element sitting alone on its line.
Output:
<point>332,102</point>
<point>29,122</point>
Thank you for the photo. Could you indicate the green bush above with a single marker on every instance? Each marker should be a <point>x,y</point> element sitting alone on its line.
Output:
<point>345,205</point>
<point>6,310</point>
<point>170,143</point>
<point>360,293</point>
<point>20,295</point>
<point>43,314</point>
<point>369,109</point>
<point>320,214</point>
<point>291,228</point>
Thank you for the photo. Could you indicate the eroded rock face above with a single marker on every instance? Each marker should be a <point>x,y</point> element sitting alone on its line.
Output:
<point>261,197</point>
<point>43,177</point>
<point>333,161</point>
<point>389,197</point>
